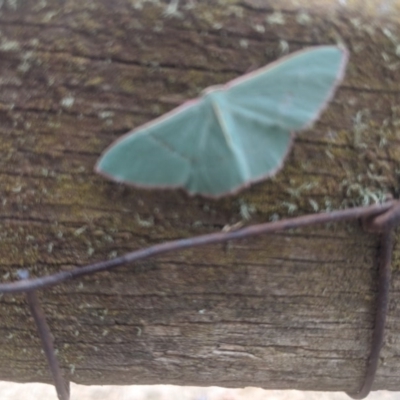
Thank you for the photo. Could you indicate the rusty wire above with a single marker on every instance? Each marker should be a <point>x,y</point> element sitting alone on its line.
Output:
<point>378,218</point>
<point>62,387</point>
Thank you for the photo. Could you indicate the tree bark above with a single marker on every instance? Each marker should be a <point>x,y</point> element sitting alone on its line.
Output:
<point>288,311</point>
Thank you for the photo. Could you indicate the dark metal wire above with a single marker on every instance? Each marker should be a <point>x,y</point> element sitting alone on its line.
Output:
<point>384,223</point>
<point>212,238</point>
<point>62,387</point>
<point>378,218</point>
<point>380,316</point>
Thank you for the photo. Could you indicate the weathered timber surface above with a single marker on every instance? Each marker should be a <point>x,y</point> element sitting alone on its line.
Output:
<point>294,310</point>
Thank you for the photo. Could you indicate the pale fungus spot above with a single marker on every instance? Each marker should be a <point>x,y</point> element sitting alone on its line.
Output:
<point>67,101</point>
<point>276,18</point>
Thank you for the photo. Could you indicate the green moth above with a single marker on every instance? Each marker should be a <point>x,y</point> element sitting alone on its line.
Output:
<point>233,135</point>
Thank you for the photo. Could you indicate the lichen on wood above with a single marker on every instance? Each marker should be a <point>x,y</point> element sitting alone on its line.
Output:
<point>293,310</point>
